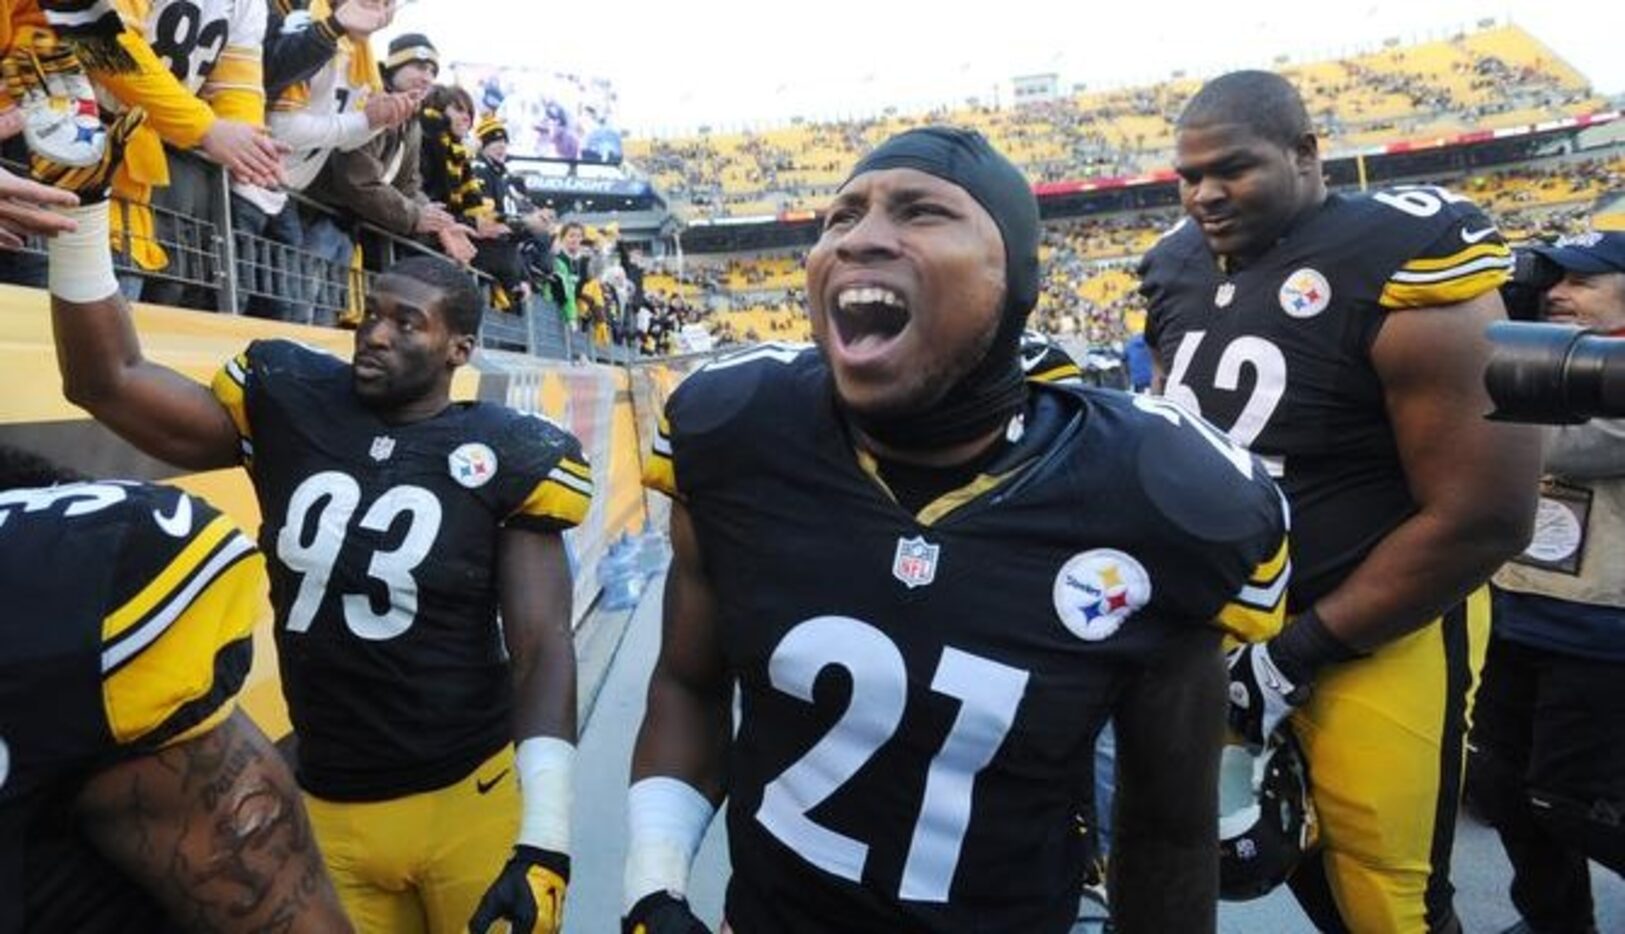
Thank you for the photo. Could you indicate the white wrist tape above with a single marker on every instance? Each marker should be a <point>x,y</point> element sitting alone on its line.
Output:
<point>81,261</point>
<point>666,820</point>
<point>546,768</point>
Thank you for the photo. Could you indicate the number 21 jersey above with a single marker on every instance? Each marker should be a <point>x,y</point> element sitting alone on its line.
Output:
<point>920,693</point>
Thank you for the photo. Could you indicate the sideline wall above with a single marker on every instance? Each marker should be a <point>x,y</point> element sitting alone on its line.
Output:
<point>594,402</point>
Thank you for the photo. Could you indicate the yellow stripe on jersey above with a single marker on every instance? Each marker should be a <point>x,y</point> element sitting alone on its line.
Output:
<point>579,468</point>
<point>563,496</point>
<point>1057,373</point>
<point>153,597</point>
<point>1397,296</point>
<point>164,667</point>
<point>658,471</point>
<point>1437,263</point>
<point>1258,610</point>
<point>1447,280</point>
<point>230,385</point>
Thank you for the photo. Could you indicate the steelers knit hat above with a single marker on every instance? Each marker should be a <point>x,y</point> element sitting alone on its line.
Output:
<point>491,129</point>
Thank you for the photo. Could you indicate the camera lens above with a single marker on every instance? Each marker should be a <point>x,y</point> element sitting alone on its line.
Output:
<point>1554,374</point>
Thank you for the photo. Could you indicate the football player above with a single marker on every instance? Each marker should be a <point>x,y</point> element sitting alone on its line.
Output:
<point>133,794</point>
<point>397,526</point>
<point>932,580</point>
<point>1341,339</point>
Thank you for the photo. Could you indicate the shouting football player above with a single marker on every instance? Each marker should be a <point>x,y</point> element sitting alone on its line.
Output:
<point>931,582</point>
<point>1341,339</point>
<point>397,525</point>
<point>133,795</point>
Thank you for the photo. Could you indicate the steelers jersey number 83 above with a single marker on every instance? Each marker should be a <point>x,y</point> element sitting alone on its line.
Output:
<point>989,693</point>
<point>328,500</point>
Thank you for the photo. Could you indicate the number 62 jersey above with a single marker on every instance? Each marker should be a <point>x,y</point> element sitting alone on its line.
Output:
<point>381,542</point>
<point>1278,352</point>
<point>920,693</point>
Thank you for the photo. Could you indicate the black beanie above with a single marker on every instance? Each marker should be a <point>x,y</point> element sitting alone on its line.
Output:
<point>995,389</point>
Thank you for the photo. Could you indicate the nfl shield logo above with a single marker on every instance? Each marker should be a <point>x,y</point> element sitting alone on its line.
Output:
<point>382,447</point>
<point>916,562</point>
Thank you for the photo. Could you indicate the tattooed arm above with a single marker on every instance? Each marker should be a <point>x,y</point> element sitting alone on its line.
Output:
<point>214,828</point>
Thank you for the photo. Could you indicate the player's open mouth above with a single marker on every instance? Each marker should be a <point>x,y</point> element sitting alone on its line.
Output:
<point>867,317</point>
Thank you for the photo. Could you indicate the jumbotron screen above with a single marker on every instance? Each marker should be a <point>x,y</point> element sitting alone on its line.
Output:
<point>550,114</point>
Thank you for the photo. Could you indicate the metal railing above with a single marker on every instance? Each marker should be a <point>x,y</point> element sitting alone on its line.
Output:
<point>211,261</point>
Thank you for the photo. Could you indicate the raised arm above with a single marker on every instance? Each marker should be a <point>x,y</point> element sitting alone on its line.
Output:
<point>1165,845</point>
<point>153,407</point>
<point>214,828</point>
<point>1475,482</point>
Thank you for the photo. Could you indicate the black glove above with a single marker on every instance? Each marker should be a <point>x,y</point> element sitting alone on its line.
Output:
<point>529,893</point>
<point>662,913</point>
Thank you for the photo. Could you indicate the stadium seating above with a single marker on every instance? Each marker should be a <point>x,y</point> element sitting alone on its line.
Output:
<point>1495,77</point>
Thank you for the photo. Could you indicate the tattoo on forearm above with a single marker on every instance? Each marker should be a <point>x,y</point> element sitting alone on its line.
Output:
<point>237,854</point>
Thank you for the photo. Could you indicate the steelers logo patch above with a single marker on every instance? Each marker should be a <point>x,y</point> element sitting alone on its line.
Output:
<point>473,465</point>
<point>1305,293</point>
<point>1097,590</point>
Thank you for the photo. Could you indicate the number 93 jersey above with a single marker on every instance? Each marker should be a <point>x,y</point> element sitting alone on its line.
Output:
<point>382,546</point>
<point>127,622</point>
<point>920,692</point>
<point>1278,352</point>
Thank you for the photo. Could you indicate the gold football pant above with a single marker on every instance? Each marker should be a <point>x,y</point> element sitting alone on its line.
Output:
<point>419,864</point>
<point>1385,738</point>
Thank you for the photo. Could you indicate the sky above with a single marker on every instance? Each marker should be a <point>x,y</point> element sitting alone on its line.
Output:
<point>730,63</point>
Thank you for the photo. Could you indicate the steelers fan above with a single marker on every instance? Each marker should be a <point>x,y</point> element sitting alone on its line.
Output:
<point>397,526</point>
<point>931,581</point>
<point>1341,339</point>
<point>133,794</point>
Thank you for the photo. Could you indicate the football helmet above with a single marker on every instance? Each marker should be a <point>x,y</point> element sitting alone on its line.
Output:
<point>1267,818</point>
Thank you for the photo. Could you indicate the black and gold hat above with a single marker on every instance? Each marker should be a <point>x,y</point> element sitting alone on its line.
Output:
<point>411,47</point>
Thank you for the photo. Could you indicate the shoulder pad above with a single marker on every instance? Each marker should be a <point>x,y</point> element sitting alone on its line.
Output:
<point>720,390</point>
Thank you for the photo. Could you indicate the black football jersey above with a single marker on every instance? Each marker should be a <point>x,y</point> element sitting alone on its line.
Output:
<point>128,614</point>
<point>381,542</point>
<point>920,693</point>
<point>1277,353</point>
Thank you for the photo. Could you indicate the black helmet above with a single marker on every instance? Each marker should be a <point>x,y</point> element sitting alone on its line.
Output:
<point>1266,817</point>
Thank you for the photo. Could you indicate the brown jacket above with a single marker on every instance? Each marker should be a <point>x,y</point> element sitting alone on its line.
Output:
<point>381,182</point>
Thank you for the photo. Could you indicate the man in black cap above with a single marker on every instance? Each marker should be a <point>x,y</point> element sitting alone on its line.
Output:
<point>1547,766</point>
<point>932,581</point>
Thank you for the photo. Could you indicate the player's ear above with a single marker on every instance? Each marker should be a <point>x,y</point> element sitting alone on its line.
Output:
<point>462,348</point>
<point>1306,154</point>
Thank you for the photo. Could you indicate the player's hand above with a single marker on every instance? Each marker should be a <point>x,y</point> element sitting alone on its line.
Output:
<point>251,156</point>
<point>529,893</point>
<point>1261,696</point>
<point>662,913</point>
<point>61,121</point>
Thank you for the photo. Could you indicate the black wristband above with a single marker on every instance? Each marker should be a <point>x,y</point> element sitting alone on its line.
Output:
<point>1305,646</point>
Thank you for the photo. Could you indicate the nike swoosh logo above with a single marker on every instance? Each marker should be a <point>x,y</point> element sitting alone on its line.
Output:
<point>1473,236</point>
<point>483,787</point>
<point>179,522</point>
